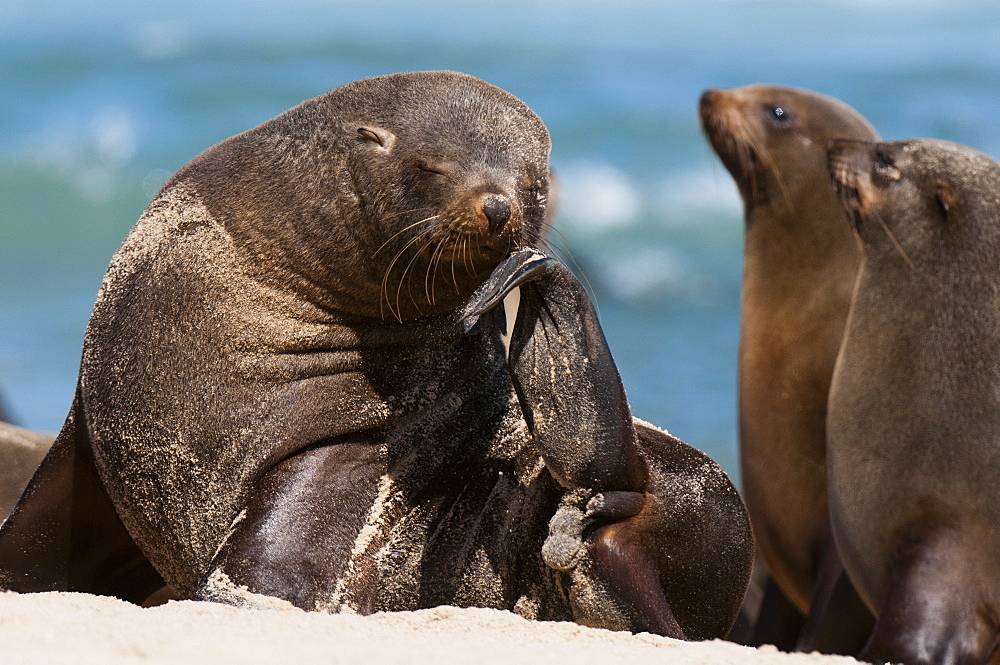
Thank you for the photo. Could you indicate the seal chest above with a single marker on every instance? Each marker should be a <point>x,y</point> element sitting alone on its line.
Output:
<point>914,419</point>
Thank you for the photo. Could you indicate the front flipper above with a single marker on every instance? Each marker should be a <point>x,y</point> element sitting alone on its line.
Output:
<point>649,539</point>
<point>614,582</point>
<point>566,381</point>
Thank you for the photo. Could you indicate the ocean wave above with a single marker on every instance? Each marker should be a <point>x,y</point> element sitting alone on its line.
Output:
<point>91,154</point>
<point>597,199</point>
<point>694,194</point>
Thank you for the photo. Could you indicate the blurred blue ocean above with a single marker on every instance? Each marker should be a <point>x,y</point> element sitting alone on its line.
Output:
<point>101,101</point>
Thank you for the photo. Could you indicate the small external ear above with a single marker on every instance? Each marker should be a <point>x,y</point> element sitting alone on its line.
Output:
<point>946,196</point>
<point>383,137</point>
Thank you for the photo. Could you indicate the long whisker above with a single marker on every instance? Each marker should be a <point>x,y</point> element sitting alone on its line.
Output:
<point>770,164</point>
<point>454,279</point>
<point>388,272</point>
<point>394,235</point>
<point>405,212</point>
<point>465,257</point>
<point>432,267</point>
<point>892,238</point>
<point>562,250</point>
<point>402,279</point>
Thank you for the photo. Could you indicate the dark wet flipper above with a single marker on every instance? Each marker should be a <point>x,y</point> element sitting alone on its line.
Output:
<point>524,265</point>
<point>566,381</point>
<point>628,568</point>
<point>613,573</point>
<point>649,533</point>
<point>293,541</point>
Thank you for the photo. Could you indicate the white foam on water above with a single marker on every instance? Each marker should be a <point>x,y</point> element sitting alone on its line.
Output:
<point>596,197</point>
<point>90,153</point>
<point>162,40</point>
<point>650,270</point>
<point>684,196</point>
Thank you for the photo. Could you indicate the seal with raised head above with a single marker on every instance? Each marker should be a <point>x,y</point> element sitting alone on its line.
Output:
<point>800,265</point>
<point>914,423</point>
<point>279,399</point>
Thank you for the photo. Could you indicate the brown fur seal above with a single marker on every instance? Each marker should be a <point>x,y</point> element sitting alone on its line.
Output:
<point>914,425</point>
<point>800,265</point>
<point>20,453</point>
<point>278,398</point>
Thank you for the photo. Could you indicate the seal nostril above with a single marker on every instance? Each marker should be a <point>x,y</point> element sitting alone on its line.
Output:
<point>497,211</point>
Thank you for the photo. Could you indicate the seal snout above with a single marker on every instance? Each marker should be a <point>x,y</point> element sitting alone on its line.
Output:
<point>735,139</point>
<point>706,101</point>
<point>846,163</point>
<point>497,211</point>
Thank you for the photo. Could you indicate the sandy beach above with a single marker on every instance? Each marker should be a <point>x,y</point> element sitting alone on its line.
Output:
<point>84,629</point>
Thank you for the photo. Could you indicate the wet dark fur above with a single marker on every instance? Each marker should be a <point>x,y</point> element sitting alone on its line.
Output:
<point>914,425</point>
<point>278,399</point>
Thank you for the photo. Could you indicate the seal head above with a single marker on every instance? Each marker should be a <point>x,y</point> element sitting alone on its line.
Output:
<point>772,139</point>
<point>429,178</point>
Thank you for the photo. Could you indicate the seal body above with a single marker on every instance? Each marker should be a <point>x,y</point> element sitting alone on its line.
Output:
<point>278,398</point>
<point>292,288</point>
<point>800,265</point>
<point>914,420</point>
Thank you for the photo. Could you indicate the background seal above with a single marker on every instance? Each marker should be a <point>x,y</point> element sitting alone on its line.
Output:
<point>914,419</point>
<point>800,265</point>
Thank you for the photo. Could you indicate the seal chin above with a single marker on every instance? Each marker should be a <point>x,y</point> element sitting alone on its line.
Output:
<point>732,136</point>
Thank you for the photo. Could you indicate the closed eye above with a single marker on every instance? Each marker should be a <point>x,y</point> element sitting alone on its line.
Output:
<point>428,168</point>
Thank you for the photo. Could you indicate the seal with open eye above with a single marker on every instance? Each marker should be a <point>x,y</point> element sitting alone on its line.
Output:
<point>914,424</point>
<point>800,265</point>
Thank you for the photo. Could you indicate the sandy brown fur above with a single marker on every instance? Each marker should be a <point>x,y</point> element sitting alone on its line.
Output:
<point>800,264</point>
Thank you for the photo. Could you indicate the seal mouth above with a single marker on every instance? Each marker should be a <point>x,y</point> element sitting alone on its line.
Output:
<point>845,176</point>
<point>730,134</point>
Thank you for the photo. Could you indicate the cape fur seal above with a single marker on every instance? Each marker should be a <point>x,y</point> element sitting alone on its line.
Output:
<point>914,424</point>
<point>278,398</point>
<point>800,265</point>
<point>21,451</point>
